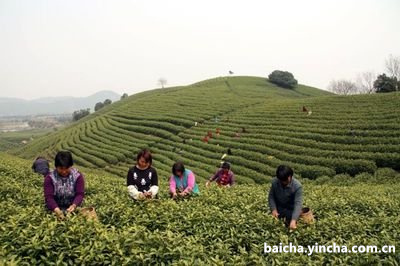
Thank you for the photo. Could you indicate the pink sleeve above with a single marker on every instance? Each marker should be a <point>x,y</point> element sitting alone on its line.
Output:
<point>172,184</point>
<point>190,181</point>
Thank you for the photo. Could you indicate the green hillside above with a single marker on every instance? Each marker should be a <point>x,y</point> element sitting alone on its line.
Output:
<point>352,134</point>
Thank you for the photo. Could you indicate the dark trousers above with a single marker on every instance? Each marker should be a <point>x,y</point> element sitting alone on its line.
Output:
<point>285,214</point>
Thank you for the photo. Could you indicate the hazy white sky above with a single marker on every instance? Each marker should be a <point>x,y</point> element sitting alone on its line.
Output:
<point>75,47</point>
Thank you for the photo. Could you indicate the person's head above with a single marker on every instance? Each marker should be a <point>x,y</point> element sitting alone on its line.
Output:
<point>178,169</point>
<point>226,167</point>
<point>144,159</point>
<point>284,174</point>
<point>63,163</point>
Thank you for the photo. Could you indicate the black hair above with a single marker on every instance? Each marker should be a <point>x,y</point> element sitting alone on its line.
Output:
<point>63,159</point>
<point>283,172</point>
<point>226,165</point>
<point>146,154</point>
<point>178,167</point>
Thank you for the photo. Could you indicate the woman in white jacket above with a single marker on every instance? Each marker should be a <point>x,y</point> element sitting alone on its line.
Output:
<point>142,179</point>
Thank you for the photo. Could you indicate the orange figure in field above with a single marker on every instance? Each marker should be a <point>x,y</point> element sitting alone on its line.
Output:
<point>218,131</point>
<point>209,134</point>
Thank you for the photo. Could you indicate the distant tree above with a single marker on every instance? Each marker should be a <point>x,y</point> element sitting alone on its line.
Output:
<point>125,95</point>
<point>386,84</point>
<point>283,79</point>
<point>162,82</point>
<point>343,87</point>
<point>392,66</point>
<point>80,114</point>
<point>107,102</point>
<point>365,82</point>
<point>98,106</point>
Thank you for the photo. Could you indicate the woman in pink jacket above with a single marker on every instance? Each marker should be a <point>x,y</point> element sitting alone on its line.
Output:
<point>182,182</point>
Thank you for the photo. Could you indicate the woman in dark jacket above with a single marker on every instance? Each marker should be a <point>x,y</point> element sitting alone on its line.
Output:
<point>142,179</point>
<point>41,166</point>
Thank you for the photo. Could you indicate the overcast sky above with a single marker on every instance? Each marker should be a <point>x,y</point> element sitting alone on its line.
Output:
<point>76,48</point>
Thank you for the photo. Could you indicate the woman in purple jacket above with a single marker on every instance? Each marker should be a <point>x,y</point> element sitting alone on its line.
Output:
<point>224,176</point>
<point>64,187</point>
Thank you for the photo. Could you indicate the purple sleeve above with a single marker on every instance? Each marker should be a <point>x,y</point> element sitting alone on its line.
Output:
<point>79,190</point>
<point>215,175</point>
<point>49,193</point>
<point>232,179</point>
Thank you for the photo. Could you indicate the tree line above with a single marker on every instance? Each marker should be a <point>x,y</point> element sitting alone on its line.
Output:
<point>369,82</point>
<point>79,114</point>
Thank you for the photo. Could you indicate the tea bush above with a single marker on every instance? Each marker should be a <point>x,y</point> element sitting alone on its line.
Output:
<point>220,227</point>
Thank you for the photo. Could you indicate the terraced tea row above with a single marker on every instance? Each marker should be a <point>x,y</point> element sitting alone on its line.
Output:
<point>261,124</point>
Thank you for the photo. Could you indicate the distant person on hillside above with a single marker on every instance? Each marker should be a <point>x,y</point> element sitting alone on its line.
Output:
<point>142,179</point>
<point>41,166</point>
<point>307,110</point>
<point>286,196</point>
<point>64,187</point>
<point>182,182</point>
<point>224,176</point>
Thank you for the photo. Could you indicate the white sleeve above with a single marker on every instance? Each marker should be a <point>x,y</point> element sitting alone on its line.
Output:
<point>133,192</point>
<point>154,191</point>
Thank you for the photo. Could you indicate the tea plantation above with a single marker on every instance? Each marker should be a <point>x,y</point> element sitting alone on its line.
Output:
<point>220,227</point>
<point>350,135</point>
<point>344,149</point>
